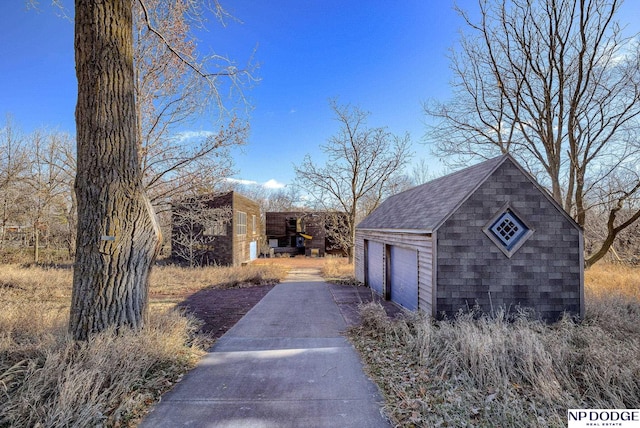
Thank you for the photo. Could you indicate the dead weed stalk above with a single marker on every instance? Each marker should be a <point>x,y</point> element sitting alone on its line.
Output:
<point>495,371</point>
<point>48,380</point>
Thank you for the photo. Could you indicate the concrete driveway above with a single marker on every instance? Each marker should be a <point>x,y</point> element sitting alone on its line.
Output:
<point>284,364</point>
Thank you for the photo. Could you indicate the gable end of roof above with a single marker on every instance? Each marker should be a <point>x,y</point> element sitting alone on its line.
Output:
<point>427,206</point>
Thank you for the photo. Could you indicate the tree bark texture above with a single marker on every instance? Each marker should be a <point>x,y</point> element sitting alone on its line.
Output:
<point>118,235</point>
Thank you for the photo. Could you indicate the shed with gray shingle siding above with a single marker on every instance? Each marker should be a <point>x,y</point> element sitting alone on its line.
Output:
<point>488,236</point>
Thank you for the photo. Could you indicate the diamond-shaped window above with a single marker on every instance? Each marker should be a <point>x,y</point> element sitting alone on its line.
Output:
<point>507,231</point>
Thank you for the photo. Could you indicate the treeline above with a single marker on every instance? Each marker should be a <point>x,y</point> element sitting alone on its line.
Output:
<point>38,212</point>
<point>37,207</point>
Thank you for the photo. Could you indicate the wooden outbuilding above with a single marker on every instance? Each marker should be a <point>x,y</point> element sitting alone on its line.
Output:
<point>301,232</point>
<point>199,233</point>
<point>488,237</point>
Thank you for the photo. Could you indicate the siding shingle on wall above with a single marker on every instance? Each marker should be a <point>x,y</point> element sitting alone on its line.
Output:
<point>544,273</point>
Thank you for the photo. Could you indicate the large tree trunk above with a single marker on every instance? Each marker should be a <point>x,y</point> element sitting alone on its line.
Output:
<point>118,235</point>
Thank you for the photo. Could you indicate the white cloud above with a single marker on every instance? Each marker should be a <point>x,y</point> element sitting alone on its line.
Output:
<point>273,184</point>
<point>243,182</point>
<point>625,53</point>
<point>183,136</point>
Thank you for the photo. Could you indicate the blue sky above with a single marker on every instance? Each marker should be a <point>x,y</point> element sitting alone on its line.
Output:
<point>387,57</point>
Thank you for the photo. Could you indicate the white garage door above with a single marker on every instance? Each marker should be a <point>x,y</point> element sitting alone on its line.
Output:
<point>404,277</point>
<point>375,261</point>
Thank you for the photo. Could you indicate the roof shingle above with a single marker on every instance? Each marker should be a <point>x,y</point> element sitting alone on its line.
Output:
<point>424,207</point>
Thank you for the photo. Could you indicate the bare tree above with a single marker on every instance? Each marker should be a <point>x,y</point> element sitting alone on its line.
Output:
<point>118,232</point>
<point>49,186</point>
<point>285,199</point>
<point>420,172</point>
<point>174,85</point>
<point>196,227</point>
<point>65,161</point>
<point>336,229</point>
<point>172,88</point>
<point>626,248</point>
<point>556,84</point>
<point>13,168</point>
<point>362,164</point>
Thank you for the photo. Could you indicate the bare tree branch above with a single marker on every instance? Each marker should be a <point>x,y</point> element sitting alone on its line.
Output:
<point>361,167</point>
<point>556,84</point>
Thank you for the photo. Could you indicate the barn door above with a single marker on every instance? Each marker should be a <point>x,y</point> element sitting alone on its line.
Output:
<point>375,263</point>
<point>403,276</point>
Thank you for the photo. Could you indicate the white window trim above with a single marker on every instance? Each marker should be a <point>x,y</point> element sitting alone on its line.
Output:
<point>241,223</point>
<point>509,252</point>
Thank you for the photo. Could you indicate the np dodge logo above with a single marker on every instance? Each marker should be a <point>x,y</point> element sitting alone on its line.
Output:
<point>626,418</point>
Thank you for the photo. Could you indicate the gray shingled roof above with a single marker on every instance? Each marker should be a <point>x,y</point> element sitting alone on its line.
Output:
<point>425,207</point>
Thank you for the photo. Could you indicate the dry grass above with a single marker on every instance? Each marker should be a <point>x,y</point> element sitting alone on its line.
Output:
<point>176,279</point>
<point>47,256</point>
<point>610,279</point>
<point>48,380</point>
<point>516,372</point>
<point>106,381</point>
<point>171,284</point>
<point>339,270</point>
